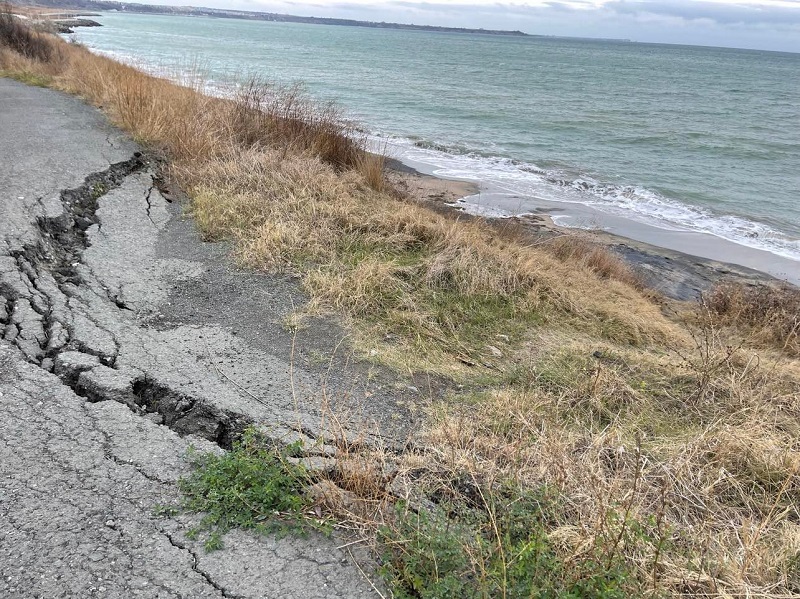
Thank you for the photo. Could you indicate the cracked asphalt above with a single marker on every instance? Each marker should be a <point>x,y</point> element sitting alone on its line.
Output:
<point>113,362</point>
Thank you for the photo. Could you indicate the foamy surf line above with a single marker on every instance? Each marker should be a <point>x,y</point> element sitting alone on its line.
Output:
<point>526,187</point>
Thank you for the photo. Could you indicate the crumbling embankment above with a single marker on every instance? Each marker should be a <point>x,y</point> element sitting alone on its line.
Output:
<point>103,386</point>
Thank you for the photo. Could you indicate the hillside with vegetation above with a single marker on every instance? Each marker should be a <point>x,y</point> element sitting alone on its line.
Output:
<point>595,439</point>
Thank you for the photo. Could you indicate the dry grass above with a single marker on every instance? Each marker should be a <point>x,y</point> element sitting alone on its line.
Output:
<point>671,441</point>
<point>186,125</point>
<point>443,288</point>
<point>573,249</point>
<point>772,314</point>
<point>695,492</point>
<point>26,43</point>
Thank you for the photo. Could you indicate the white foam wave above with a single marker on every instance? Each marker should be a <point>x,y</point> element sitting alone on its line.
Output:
<point>528,182</point>
<point>475,209</point>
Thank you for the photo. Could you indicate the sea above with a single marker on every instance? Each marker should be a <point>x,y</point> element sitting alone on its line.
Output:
<point>692,148</point>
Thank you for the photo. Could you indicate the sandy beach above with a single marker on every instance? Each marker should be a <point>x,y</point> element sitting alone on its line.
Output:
<point>607,225</point>
<point>681,275</point>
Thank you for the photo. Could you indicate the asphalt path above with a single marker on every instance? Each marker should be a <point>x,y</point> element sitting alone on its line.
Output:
<point>124,339</point>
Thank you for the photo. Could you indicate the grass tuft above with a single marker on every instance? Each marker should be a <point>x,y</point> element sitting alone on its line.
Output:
<point>575,250</point>
<point>771,314</point>
<point>255,486</point>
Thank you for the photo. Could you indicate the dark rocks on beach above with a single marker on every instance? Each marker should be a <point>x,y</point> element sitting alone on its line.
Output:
<point>67,25</point>
<point>681,276</point>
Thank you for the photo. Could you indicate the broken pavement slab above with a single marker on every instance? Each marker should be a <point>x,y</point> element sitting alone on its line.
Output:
<point>78,502</point>
<point>86,376</point>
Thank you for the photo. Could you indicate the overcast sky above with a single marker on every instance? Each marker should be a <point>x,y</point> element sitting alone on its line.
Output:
<point>765,24</point>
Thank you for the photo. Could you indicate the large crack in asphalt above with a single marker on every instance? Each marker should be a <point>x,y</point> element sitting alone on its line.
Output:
<point>34,316</point>
<point>59,249</point>
<point>64,236</point>
<point>95,395</point>
<point>186,415</point>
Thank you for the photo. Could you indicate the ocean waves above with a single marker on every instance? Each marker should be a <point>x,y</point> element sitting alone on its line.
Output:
<point>680,139</point>
<point>527,183</point>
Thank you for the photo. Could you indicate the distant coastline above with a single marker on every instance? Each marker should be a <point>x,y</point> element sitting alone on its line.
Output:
<point>191,11</point>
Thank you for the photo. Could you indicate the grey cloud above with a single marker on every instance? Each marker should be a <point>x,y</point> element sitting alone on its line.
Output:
<point>689,10</point>
<point>664,21</point>
<point>724,14</point>
<point>560,6</point>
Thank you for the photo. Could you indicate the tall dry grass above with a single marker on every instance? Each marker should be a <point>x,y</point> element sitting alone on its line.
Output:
<point>22,40</point>
<point>689,476</point>
<point>188,126</point>
<point>573,249</point>
<point>443,287</point>
<point>682,428</point>
<point>772,314</point>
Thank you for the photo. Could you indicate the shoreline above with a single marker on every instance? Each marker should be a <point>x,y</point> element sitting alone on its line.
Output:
<point>739,254</point>
<point>493,199</point>
<point>490,201</point>
<point>676,274</point>
<point>702,245</point>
